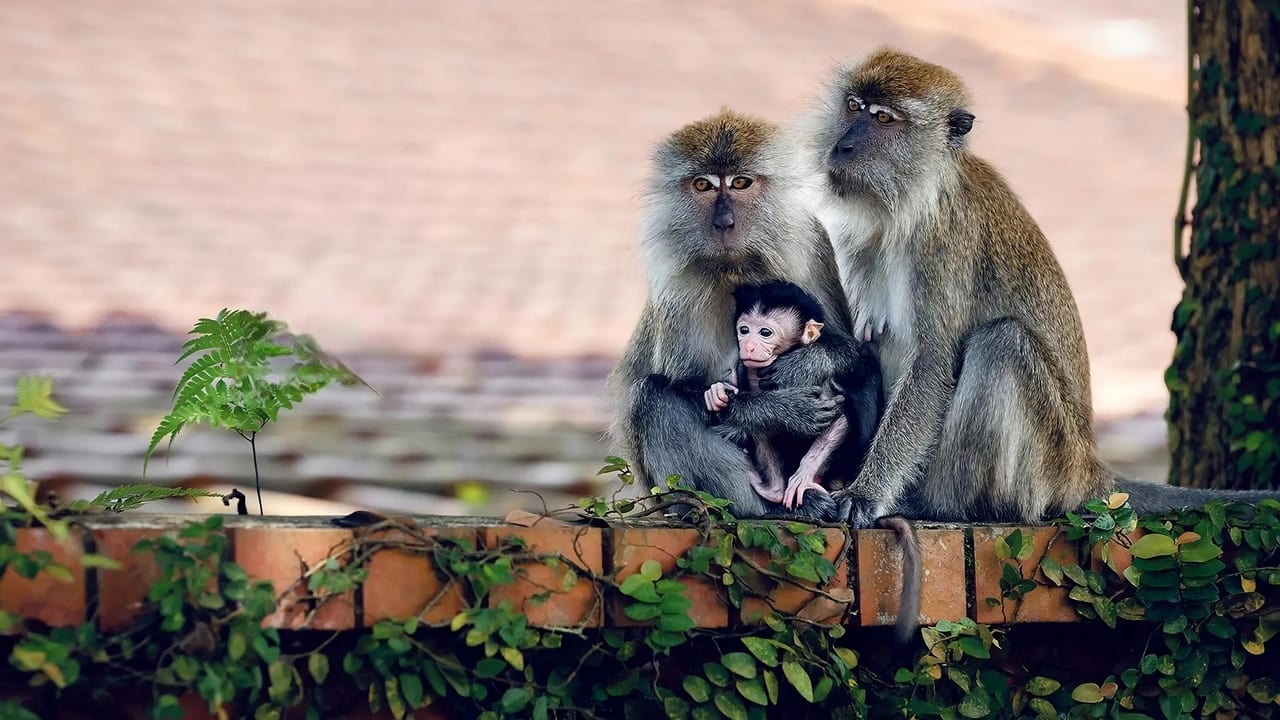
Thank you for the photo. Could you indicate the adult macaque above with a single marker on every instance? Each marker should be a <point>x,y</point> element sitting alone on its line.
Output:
<point>989,415</point>
<point>725,207</point>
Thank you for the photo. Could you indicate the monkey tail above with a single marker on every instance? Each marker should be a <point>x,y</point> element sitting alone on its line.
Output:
<point>1155,497</point>
<point>909,606</point>
<point>1149,497</point>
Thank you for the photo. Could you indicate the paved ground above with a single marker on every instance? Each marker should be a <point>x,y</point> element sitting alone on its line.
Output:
<point>453,180</point>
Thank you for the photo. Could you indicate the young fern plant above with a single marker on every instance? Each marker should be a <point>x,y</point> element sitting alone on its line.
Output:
<point>232,383</point>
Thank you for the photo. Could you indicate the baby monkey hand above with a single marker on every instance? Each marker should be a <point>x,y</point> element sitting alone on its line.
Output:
<point>717,396</point>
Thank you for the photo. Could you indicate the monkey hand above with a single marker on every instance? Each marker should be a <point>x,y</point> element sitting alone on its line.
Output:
<point>801,367</point>
<point>860,512</point>
<point>717,396</point>
<point>806,411</point>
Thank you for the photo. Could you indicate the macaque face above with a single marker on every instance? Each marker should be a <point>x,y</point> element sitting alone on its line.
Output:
<point>763,336</point>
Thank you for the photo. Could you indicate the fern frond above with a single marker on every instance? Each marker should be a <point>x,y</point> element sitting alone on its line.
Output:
<point>130,497</point>
<point>201,373</point>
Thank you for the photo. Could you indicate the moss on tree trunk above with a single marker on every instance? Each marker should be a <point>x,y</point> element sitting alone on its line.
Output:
<point>1224,381</point>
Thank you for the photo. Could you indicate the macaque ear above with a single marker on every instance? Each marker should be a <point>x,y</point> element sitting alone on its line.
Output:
<point>812,331</point>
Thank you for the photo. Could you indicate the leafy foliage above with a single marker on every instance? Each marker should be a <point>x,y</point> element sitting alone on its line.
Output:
<point>1181,632</point>
<point>1224,377</point>
<point>131,497</point>
<point>230,384</point>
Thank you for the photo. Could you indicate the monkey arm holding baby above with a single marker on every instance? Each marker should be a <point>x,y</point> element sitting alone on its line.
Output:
<point>773,320</point>
<point>724,208</point>
<point>989,414</point>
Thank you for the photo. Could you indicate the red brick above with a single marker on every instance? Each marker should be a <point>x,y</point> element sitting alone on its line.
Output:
<point>403,583</point>
<point>282,555</point>
<point>633,546</point>
<point>581,604</point>
<point>879,582</point>
<point>1046,603</point>
<point>122,592</point>
<point>44,597</point>
<point>799,597</point>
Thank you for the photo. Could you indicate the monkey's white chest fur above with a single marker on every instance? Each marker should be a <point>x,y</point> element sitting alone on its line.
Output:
<point>879,285</point>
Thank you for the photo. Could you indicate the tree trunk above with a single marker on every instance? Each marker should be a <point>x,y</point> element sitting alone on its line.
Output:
<point>1224,381</point>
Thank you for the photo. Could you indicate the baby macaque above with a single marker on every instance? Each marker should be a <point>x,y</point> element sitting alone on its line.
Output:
<point>773,319</point>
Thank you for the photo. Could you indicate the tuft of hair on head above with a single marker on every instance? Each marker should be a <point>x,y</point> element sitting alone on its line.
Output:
<point>725,143</point>
<point>777,295</point>
<point>889,74</point>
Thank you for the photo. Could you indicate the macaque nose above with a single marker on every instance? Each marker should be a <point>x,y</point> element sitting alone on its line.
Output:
<point>723,218</point>
<point>850,143</point>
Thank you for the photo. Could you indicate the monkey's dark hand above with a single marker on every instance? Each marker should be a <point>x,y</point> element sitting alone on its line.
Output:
<point>801,411</point>
<point>801,367</point>
<point>861,513</point>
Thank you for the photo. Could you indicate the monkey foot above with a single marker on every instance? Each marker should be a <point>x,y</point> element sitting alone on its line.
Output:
<point>796,488</point>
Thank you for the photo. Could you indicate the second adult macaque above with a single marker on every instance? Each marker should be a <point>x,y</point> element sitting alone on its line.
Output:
<point>773,319</point>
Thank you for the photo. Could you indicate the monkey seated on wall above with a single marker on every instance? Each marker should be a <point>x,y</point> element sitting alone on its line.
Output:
<point>773,319</point>
<point>988,414</point>
<point>724,207</point>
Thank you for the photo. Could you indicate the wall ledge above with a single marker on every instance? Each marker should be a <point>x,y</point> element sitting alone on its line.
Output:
<point>961,571</point>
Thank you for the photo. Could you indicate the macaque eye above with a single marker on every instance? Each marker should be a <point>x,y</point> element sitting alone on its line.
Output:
<point>743,330</point>
<point>741,182</point>
<point>884,117</point>
<point>766,332</point>
<point>855,105</point>
<point>701,184</point>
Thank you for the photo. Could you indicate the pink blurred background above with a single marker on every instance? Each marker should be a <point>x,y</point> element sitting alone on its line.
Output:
<point>445,193</point>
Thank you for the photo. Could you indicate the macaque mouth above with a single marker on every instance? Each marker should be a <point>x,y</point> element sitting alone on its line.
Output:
<point>755,364</point>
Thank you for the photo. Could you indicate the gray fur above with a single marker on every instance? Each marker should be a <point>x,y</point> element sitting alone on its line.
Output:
<point>686,331</point>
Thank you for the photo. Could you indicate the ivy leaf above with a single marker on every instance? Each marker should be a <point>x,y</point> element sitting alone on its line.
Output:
<point>515,699</point>
<point>1106,609</point>
<point>1088,693</point>
<point>489,668</point>
<point>514,657</point>
<point>317,665</point>
<point>1198,551</point>
<point>1150,546</point>
<point>411,689</point>
<point>771,686</point>
<point>847,656</point>
<point>731,706</point>
<point>641,612</point>
<point>740,664</point>
<point>1051,570</point>
<point>973,647</point>
<point>1041,686</point>
<point>975,705</point>
<point>716,673</point>
<point>753,690</point>
<point>798,678</point>
<point>697,688</point>
<point>764,650</point>
<point>650,570</point>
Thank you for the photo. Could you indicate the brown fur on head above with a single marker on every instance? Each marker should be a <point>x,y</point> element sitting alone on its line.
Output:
<point>887,75</point>
<point>890,130</point>
<point>724,143</point>
<point>710,180</point>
